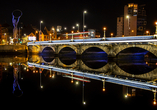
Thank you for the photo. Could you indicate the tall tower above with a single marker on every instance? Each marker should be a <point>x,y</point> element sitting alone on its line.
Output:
<point>134,20</point>
<point>130,19</point>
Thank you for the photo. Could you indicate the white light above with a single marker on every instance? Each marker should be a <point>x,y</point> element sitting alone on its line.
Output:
<point>10,63</point>
<point>41,21</point>
<point>126,96</point>
<point>77,82</point>
<point>57,30</point>
<point>85,11</point>
<point>41,87</point>
<point>84,103</point>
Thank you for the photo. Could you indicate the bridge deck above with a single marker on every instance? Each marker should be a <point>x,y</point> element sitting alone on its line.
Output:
<point>126,82</point>
<point>130,39</point>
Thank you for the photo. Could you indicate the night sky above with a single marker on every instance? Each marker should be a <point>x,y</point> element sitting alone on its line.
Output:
<point>69,12</point>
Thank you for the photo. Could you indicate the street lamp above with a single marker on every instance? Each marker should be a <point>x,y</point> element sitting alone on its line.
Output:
<point>77,26</point>
<point>40,30</point>
<point>111,34</point>
<point>50,37</point>
<point>84,12</point>
<point>104,33</point>
<point>128,17</point>
<point>65,28</point>
<point>147,32</point>
<point>72,36</point>
<point>156,28</point>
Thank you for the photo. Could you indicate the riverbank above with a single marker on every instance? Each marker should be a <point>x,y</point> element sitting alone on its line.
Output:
<point>13,49</point>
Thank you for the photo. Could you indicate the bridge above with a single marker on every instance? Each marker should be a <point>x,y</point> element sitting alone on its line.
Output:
<point>101,77</point>
<point>112,46</point>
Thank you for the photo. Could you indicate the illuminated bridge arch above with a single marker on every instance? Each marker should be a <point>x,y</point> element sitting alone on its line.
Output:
<point>102,47</point>
<point>64,46</point>
<point>148,76</point>
<point>151,48</point>
<point>44,47</point>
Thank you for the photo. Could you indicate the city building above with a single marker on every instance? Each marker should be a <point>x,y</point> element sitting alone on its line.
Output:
<point>120,26</point>
<point>133,22</point>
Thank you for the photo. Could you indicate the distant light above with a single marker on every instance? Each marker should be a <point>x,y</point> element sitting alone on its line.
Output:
<point>41,21</point>
<point>65,28</point>
<point>41,87</point>
<point>53,76</point>
<point>72,81</point>
<point>58,30</point>
<point>77,82</point>
<point>104,28</point>
<point>85,11</point>
<point>126,96</point>
<point>127,16</point>
<point>154,102</point>
<point>10,63</point>
<point>25,68</point>
<point>73,27</point>
<point>5,68</point>
<point>84,103</point>
<point>103,89</point>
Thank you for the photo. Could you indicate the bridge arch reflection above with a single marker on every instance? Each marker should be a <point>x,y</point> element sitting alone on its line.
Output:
<point>47,51</point>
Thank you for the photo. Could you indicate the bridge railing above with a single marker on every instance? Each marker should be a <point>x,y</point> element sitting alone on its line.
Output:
<point>96,39</point>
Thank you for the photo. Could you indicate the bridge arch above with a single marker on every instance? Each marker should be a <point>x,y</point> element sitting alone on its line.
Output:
<point>151,48</point>
<point>64,46</point>
<point>102,47</point>
<point>46,47</point>
<point>147,76</point>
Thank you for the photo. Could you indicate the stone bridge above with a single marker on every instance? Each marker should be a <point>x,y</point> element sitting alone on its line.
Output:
<point>111,49</point>
<point>108,69</point>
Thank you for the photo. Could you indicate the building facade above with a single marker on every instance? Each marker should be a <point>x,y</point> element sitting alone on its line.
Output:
<point>133,22</point>
<point>120,26</point>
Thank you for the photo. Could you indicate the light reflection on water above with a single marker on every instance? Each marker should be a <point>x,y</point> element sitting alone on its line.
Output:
<point>71,90</point>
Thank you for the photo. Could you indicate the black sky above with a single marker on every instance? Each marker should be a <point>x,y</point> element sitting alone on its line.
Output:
<point>69,12</point>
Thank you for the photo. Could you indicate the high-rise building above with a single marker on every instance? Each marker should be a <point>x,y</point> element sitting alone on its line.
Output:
<point>133,22</point>
<point>120,26</point>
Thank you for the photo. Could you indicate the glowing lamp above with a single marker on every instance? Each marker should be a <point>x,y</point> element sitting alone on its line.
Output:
<point>84,103</point>
<point>85,11</point>
<point>154,102</point>
<point>72,81</point>
<point>126,96</point>
<point>103,89</point>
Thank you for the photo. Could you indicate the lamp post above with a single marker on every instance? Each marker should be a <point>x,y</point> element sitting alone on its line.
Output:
<point>77,26</point>
<point>50,37</point>
<point>104,33</point>
<point>147,32</point>
<point>128,17</point>
<point>156,28</point>
<point>72,36</point>
<point>40,30</point>
<point>84,12</point>
<point>111,34</point>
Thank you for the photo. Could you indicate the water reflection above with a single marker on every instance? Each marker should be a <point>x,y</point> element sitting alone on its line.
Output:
<point>16,87</point>
<point>81,73</point>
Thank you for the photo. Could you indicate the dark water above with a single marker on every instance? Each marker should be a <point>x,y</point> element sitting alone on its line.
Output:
<point>59,92</point>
